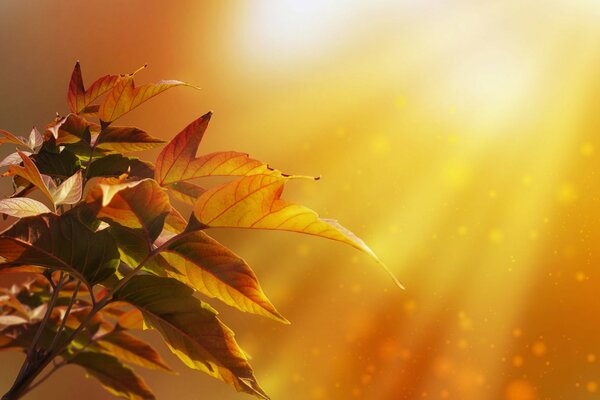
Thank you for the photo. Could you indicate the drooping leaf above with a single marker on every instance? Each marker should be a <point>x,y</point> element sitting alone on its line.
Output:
<point>30,173</point>
<point>125,96</point>
<point>115,377</point>
<point>255,202</point>
<point>21,207</point>
<point>60,242</point>
<point>209,267</point>
<point>123,140</point>
<point>140,205</point>
<point>117,165</point>
<point>191,329</point>
<point>61,164</point>
<point>74,128</point>
<point>78,97</point>
<point>130,349</point>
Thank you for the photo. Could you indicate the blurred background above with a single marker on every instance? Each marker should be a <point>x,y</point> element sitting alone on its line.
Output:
<point>460,139</point>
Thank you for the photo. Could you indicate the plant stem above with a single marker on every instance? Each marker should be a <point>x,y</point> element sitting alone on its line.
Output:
<point>67,312</point>
<point>31,370</point>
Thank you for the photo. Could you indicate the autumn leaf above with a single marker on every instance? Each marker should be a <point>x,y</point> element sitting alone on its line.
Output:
<point>30,173</point>
<point>207,266</point>
<point>140,205</point>
<point>21,207</point>
<point>13,158</point>
<point>125,96</point>
<point>74,128</point>
<point>185,191</point>
<point>115,377</point>
<point>123,140</point>
<point>7,137</point>
<point>47,241</point>
<point>177,162</point>
<point>191,329</point>
<point>78,97</point>
<point>129,349</point>
<point>255,202</point>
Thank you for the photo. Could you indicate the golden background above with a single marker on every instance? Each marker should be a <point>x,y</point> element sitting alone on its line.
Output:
<point>460,139</point>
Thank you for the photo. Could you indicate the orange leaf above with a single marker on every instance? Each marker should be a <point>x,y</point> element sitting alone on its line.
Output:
<point>124,96</point>
<point>78,97</point>
<point>30,173</point>
<point>140,205</point>
<point>255,202</point>
<point>7,137</point>
<point>209,267</point>
<point>123,140</point>
<point>177,162</point>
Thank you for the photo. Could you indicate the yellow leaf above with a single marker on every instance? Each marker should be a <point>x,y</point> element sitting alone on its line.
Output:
<point>255,202</point>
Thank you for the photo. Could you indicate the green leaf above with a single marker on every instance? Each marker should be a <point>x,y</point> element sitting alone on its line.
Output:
<point>117,164</point>
<point>57,164</point>
<point>191,329</point>
<point>115,377</point>
<point>209,267</point>
<point>130,349</point>
<point>60,242</point>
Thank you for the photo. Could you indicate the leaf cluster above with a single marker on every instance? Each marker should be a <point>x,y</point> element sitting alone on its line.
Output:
<point>109,253</point>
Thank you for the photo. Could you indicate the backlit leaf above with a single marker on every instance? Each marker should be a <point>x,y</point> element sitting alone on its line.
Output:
<point>140,205</point>
<point>115,377</point>
<point>131,350</point>
<point>78,97</point>
<point>7,137</point>
<point>209,267</point>
<point>30,173</point>
<point>191,329</point>
<point>122,140</point>
<point>21,207</point>
<point>49,241</point>
<point>185,191</point>
<point>125,96</point>
<point>74,128</point>
<point>69,191</point>
<point>255,202</point>
<point>177,162</point>
<point>13,158</point>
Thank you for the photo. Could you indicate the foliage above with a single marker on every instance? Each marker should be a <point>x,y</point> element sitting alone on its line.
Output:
<point>107,253</point>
